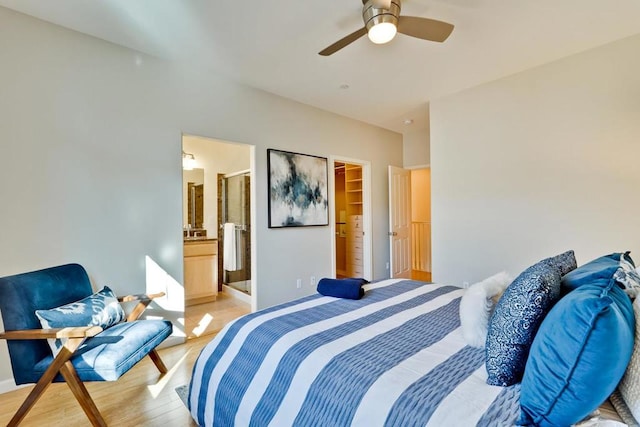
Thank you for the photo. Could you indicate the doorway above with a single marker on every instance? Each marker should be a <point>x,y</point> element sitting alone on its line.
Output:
<point>421,224</point>
<point>410,223</point>
<point>351,218</point>
<point>206,302</point>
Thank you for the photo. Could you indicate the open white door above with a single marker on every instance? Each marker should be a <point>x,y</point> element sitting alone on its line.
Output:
<point>400,222</point>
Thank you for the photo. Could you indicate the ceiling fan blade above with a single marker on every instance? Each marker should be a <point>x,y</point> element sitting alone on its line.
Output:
<point>382,4</point>
<point>345,41</point>
<point>424,28</point>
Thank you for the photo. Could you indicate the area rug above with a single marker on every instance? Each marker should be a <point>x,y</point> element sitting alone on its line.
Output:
<point>183,393</point>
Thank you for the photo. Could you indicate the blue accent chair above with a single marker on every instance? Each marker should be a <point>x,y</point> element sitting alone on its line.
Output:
<point>89,353</point>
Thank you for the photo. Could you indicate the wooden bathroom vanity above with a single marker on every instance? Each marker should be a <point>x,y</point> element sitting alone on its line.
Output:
<point>200,270</point>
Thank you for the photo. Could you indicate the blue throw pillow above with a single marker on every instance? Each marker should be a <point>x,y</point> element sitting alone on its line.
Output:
<point>516,320</point>
<point>599,271</point>
<point>100,309</point>
<point>578,356</point>
<point>341,288</point>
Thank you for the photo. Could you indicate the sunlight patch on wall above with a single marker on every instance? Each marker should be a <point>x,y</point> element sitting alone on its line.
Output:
<point>171,306</point>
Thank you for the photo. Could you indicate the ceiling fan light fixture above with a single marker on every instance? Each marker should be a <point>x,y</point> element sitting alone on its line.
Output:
<point>382,21</point>
<point>382,33</point>
<point>381,24</point>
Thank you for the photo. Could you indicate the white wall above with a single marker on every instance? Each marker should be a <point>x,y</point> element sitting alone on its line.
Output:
<point>416,144</point>
<point>90,170</point>
<point>537,163</point>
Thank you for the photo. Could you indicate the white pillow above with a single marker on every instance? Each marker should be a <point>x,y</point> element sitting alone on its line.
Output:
<point>476,307</point>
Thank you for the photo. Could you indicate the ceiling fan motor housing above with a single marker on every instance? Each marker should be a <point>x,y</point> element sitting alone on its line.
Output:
<point>373,15</point>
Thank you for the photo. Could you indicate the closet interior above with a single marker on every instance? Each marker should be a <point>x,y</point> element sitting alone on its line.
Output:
<point>348,214</point>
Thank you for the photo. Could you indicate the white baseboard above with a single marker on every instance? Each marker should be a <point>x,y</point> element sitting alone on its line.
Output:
<point>9,385</point>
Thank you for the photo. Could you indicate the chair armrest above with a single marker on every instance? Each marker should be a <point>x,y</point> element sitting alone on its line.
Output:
<point>72,332</point>
<point>140,297</point>
<point>144,301</point>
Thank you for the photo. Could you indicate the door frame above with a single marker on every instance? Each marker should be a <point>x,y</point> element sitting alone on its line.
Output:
<point>367,241</point>
<point>252,210</point>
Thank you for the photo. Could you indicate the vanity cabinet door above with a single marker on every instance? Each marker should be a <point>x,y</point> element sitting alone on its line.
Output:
<point>200,273</point>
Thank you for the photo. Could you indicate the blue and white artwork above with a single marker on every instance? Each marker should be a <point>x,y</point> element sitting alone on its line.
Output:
<point>298,187</point>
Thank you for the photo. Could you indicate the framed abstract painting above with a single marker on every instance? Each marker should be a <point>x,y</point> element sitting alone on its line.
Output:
<point>298,189</point>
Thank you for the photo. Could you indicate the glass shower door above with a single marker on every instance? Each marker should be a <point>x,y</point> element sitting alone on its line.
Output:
<point>236,226</point>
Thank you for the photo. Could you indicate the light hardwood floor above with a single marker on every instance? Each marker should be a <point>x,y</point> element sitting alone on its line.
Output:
<point>209,318</point>
<point>141,397</point>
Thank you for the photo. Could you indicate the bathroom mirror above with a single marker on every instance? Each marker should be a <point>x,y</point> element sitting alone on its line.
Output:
<point>193,198</point>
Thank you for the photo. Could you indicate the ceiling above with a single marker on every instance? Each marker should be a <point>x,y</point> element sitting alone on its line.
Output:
<point>273,45</point>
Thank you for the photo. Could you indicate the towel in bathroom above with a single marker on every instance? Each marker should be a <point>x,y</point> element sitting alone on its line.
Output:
<point>240,245</point>
<point>230,247</point>
<point>341,288</point>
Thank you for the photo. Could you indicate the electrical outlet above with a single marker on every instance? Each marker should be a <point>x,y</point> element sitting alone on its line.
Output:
<point>312,281</point>
<point>465,284</point>
<point>387,266</point>
<point>298,283</point>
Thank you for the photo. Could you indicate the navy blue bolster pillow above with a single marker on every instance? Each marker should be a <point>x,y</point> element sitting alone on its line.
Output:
<point>341,288</point>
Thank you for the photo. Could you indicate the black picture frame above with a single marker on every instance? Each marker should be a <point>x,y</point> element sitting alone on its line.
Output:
<point>298,186</point>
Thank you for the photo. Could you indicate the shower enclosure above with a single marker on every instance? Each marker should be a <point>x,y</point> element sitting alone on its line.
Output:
<point>235,230</point>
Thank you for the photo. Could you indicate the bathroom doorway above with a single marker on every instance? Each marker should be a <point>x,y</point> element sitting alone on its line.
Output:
<point>212,168</point>
<point>234,205</point>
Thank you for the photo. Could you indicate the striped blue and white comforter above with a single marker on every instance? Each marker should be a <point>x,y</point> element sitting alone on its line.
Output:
<point>396,357</point>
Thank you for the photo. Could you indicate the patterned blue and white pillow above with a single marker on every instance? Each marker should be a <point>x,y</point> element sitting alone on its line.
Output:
<point>516,320</point>
<point>100,309</point>
<point>627,276</point>
<point>566,262</point>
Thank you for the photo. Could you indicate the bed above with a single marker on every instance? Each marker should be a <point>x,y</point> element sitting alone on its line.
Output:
<point>399,356</point>
<point>396,357</point>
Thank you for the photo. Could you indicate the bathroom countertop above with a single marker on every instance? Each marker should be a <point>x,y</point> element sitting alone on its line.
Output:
<point>198,239</point>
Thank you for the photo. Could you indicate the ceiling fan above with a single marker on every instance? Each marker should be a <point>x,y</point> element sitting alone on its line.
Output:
<point>382,21</point>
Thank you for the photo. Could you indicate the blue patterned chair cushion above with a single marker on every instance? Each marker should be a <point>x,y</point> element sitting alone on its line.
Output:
<point>580,353</point>
<point>100,309</point>
<point>518,316</point>
<point>598,271</point>
<point>112,352</point>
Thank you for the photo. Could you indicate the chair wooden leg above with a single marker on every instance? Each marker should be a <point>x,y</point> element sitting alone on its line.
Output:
<point>45,380</point>
<point>33,397</point>
<point>82,395</point>
<point>158,362</point>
